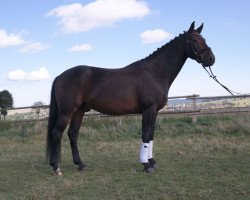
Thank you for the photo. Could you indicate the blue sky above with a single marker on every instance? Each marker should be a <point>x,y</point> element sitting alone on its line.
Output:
<point>40,39</point>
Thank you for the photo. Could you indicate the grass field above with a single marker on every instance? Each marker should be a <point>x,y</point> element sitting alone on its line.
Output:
<point>207,160</point>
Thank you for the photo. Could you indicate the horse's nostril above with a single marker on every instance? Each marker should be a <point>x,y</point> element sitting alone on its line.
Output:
<point>210,58</point>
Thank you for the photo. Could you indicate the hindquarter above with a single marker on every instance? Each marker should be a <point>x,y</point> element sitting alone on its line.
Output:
<point>71,88</point>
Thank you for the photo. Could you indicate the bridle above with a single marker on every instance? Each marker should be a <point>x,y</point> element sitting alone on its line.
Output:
<point>200,59</point>
<point>190,48</point>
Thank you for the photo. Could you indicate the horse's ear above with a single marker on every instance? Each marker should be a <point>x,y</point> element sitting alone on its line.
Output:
<point>191,28</point>
<point>200,28</point>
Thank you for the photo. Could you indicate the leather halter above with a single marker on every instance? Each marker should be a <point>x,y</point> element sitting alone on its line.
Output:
<point>191,48</point>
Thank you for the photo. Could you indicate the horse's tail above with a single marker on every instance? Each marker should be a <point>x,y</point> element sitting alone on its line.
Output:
<point>53,117</point>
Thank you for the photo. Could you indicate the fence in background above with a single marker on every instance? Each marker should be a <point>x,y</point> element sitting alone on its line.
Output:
<point>191,105</point>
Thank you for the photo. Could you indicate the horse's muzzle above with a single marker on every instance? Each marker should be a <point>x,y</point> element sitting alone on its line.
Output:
<point>209,60</point>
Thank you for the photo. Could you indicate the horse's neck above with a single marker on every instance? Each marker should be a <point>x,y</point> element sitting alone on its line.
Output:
<point>167,63</point>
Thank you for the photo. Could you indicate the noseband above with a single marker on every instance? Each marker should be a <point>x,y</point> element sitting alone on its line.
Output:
<point>191,48</point>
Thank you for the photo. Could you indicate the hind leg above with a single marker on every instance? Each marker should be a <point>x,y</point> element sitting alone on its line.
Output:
<point>75,124</point>
<point>56,142</point>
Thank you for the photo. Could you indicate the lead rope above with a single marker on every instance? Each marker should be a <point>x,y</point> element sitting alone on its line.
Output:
<point>211,74</point>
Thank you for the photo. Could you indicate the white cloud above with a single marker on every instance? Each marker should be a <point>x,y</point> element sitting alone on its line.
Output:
<point>82,47</point>
<point>8,40</point>
<point>33,47</point>
<point>153,36</point>
<point>37,75</point>
<point>79,18</point>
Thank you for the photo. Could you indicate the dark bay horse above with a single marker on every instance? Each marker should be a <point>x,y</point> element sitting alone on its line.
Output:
<point>141,87</point>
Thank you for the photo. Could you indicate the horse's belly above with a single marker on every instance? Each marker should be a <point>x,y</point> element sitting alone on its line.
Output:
<point>113,106</point>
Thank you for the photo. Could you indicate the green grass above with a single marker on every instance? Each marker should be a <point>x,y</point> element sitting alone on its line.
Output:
<point>207,160</point>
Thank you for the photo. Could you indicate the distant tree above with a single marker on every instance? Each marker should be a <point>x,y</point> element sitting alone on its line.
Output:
<point>37,108</point>
<point>4,113</point>
<point>6,101</point>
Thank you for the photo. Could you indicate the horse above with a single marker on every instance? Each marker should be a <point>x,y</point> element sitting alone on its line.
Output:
<point>141,87</point>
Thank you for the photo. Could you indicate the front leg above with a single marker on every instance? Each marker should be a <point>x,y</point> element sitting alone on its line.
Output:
<point>151,160</point>
<point>148,125</point>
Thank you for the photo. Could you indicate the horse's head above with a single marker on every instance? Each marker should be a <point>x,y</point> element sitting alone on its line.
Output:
<point>197,49</point>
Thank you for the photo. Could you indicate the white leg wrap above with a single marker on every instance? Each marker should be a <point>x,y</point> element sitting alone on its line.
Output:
<point>150,150</point>
<point>144,153</point>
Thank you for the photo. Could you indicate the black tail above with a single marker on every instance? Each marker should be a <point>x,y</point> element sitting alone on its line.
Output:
<point>53,117</point>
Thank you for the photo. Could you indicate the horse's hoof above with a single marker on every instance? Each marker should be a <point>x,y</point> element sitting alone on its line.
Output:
<point>57,172</point>
<point>155,166</point>
<point>153,163</point>
<point>81,168</point>
<point>148,168</point>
